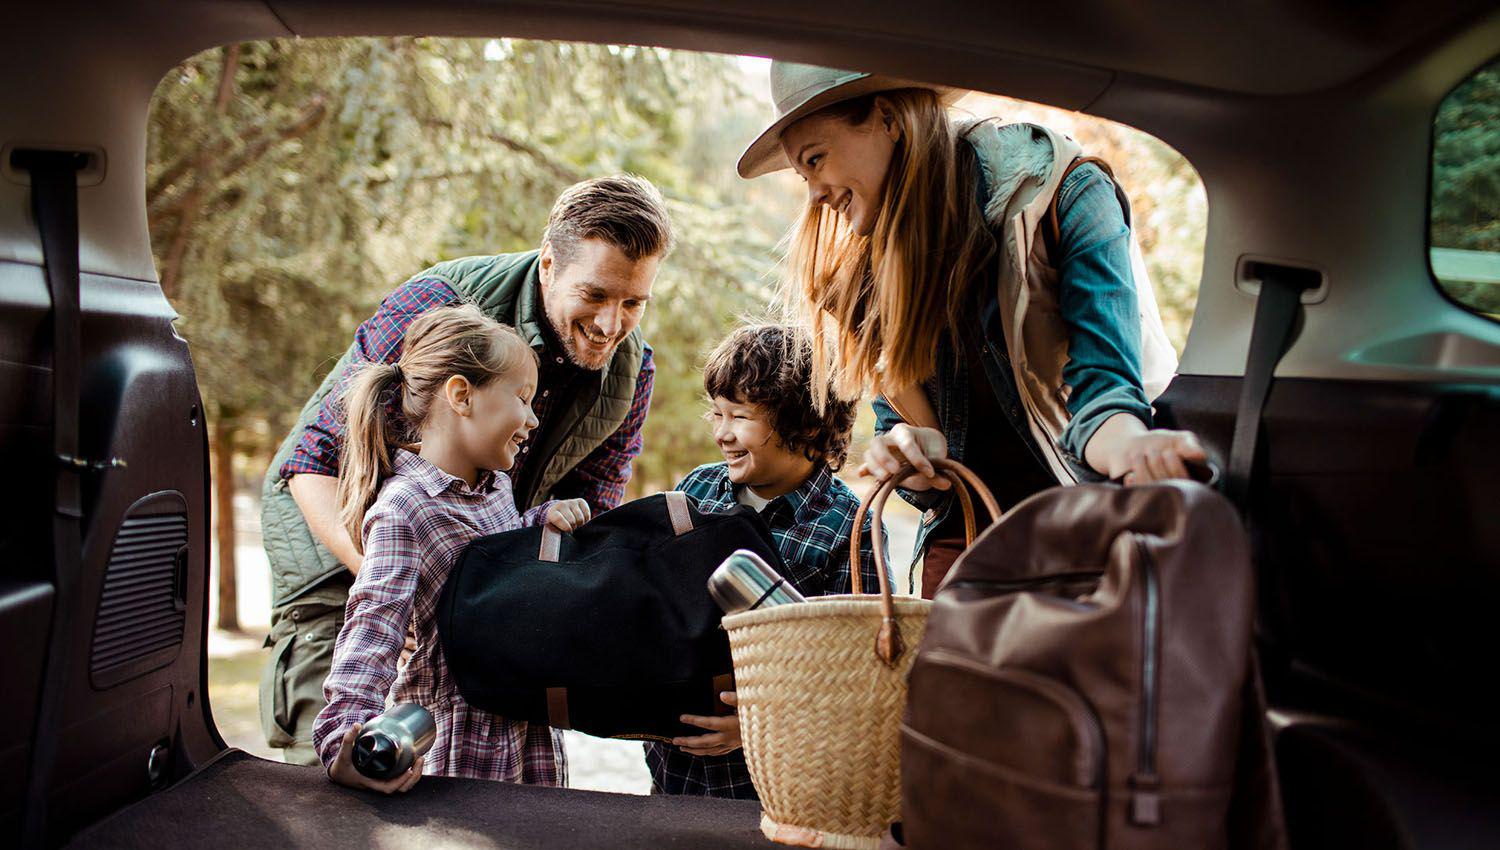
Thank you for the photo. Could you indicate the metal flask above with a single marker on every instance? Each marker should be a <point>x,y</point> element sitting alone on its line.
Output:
<point>392,742</point>
<point>745,582</point>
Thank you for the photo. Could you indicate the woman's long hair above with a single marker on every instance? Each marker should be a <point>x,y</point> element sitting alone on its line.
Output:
<point>877,306</point>
<point>448,341</point>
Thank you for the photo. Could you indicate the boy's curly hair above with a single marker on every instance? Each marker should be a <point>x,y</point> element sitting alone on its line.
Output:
<point>770,366</point>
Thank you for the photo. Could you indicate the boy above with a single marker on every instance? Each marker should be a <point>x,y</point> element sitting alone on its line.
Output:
<point>779,458</point>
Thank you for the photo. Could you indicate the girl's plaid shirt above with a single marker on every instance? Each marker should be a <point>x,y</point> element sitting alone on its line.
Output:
<point>413,535</point>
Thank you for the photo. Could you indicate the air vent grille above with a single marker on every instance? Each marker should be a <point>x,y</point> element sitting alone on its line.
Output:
<point>140,616</point>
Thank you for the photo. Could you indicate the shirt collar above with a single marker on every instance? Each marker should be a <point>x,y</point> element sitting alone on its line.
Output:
<point>811,498</point>
<point>434,481</point>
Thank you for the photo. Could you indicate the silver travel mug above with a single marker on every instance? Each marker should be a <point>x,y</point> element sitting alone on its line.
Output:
<point>392,742</point>
<point>745,582</point>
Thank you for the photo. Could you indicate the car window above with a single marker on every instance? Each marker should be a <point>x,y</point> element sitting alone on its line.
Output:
<point>1465,219</point>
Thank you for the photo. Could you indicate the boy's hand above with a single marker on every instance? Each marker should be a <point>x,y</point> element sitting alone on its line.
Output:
<point>342,770</point>
<point>568,514</point>
<point>726,731</point>
<point>901,445</point>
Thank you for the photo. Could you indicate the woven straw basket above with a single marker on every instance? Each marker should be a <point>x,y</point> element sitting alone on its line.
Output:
<point>821,686</point>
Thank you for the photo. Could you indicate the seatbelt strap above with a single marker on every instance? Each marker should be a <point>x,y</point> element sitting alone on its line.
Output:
<point>54,202</point>
<point>1276,312</point>
<point>1255,807</point>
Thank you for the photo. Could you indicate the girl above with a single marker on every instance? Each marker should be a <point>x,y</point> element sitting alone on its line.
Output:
<point>465,383</point>
<point>979,278</point>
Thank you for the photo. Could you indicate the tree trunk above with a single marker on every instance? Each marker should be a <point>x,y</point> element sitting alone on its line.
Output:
<point>223,484</point>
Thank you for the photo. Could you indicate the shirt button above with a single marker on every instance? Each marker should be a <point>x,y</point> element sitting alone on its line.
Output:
<point>545,393</point>
<point>559,359</point>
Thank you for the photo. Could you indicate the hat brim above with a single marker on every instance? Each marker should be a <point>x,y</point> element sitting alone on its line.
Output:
<point>764,155</point>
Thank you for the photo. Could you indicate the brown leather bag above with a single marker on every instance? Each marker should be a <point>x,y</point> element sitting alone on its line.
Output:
<point>1084,681</point>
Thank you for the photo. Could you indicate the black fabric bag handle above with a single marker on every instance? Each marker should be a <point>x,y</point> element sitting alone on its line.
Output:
<point>677,511</point>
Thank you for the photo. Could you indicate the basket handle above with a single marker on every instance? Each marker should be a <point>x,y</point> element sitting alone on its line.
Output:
<point>888,644</point>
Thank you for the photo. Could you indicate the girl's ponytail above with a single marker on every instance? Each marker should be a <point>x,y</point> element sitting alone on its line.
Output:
<point>368,437</point>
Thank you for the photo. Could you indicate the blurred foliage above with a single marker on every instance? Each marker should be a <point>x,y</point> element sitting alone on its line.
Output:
<point>288,197</point>
<point>1466,180</point>
<point>292,184</point>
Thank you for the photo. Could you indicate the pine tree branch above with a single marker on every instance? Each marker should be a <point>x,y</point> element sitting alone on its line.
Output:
<point>562,172</point>
<point>204,166</point>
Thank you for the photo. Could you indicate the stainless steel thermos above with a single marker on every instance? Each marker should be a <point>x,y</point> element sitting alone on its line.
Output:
<point>392,742</point>
<point>745,582</point>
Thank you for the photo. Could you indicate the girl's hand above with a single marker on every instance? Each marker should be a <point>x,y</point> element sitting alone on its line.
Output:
<point>1156,456</point>
<point>568,514</point>
<point>342,770</point>
<point>725,737</point>
<point>904,444</point>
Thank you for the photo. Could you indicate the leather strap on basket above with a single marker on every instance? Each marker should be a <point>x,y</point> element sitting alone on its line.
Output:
<point>677,512</point>
<point>888,646</point>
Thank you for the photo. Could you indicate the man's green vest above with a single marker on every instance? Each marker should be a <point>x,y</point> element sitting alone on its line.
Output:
<point>505,287</point>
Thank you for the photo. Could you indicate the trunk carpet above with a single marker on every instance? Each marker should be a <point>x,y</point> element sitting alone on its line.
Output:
<point>239,800</point>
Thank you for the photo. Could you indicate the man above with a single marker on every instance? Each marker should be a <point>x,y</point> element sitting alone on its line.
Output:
<point>578,301</point>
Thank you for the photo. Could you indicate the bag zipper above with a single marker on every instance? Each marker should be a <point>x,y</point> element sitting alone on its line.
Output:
<point>1005,585</point>
<point>1145,785</point>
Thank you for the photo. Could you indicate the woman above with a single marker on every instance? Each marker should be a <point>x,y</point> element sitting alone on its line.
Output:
<point>978,277</point>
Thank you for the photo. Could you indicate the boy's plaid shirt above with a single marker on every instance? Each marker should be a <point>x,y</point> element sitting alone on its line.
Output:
<point>812,526</point>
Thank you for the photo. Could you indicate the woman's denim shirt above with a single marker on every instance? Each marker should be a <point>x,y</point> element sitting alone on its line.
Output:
<point>1097,300</point>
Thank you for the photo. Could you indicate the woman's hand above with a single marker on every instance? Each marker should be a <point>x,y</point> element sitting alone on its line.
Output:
<point>568,514</point>
<point>903,445</point>
<point>725,737</point>
<point>1124,449</point>
<point>342,770</point>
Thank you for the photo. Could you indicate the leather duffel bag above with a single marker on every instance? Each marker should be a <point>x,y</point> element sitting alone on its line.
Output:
<point>1085,681</point>
<point>609,629</point>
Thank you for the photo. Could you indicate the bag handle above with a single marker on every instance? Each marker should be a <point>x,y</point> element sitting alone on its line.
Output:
<point>888,646</point>
<point>677,511</point>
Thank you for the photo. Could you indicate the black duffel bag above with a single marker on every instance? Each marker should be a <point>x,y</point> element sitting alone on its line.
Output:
<point>609,629</point>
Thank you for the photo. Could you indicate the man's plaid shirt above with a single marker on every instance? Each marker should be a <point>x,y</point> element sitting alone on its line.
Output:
<point>812,526</point>
<point>599,478</point>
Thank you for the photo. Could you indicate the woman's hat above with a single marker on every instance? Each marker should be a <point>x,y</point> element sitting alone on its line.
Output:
<point>801,90</point>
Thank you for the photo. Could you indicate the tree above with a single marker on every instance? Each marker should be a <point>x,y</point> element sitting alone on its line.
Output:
<point>291,184</point>
<point>1466,179</point>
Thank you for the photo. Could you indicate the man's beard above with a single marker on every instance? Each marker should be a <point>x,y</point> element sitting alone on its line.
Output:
<point>577,358</point>
<point>565,336</point>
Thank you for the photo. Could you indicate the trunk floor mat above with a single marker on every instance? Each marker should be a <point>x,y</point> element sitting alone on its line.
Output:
<point>239,800</point>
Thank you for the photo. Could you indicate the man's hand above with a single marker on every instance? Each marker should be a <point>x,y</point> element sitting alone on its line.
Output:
<point>903,445</point>
<point>725,737</point>
<point>568,514</point>
<point>342,770</point>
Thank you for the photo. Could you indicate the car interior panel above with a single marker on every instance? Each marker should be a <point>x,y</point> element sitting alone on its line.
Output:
<point>1377,528</point>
